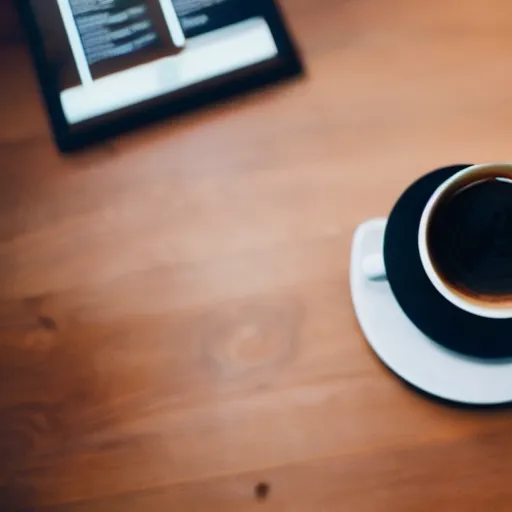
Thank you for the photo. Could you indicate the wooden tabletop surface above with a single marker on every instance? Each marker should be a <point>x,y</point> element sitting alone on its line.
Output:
<point>176,330</point>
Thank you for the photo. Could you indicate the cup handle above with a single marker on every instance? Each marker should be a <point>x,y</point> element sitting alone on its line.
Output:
<point>374,267</point>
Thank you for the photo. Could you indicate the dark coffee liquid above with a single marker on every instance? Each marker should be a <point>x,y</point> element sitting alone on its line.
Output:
<point>470,240</point>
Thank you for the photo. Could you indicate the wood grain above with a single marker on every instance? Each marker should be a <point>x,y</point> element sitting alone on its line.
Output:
<point>176,331</point>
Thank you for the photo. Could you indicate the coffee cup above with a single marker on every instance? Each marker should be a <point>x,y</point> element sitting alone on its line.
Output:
<point>465,241</point>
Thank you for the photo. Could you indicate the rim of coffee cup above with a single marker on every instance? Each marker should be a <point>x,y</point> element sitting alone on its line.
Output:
<point>435,279</point>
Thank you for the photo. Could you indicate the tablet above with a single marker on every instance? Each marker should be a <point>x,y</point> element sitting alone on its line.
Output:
<point>106,66</point>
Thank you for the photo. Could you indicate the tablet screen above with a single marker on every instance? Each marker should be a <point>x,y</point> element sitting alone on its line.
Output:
<point>107,58</point>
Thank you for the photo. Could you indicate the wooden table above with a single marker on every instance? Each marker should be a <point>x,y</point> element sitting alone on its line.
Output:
<point>176,330</point>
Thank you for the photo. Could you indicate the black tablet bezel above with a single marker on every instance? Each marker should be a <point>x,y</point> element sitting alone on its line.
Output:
<point>287,65</point>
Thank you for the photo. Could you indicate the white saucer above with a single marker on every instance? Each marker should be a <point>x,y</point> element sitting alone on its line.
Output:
<point>406,350</point>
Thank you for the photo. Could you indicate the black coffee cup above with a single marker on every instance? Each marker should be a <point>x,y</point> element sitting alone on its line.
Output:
<point>465,241</point>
